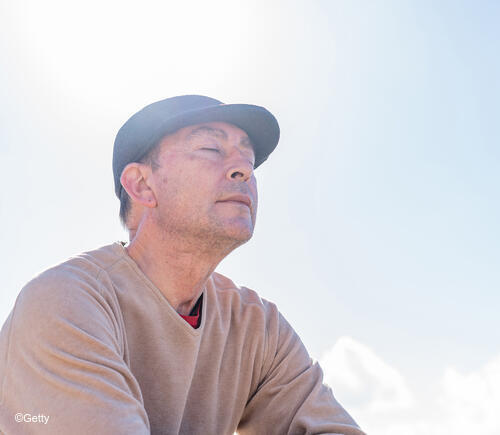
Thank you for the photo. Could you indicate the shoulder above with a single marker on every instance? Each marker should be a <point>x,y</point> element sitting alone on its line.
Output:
<point>254,316</point>
<point>248,303</point>
<point>64,310</point>
<point>246,311</point>
<point>75,291</point>
<point>86,271</point>
<point>241,297</point>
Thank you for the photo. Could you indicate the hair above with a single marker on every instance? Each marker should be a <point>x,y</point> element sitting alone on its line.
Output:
<point>151,159</point>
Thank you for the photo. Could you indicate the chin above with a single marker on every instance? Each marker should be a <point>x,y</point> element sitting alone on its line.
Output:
<point>234,230</point>
<point>241,235</point>
<point>239,231</point>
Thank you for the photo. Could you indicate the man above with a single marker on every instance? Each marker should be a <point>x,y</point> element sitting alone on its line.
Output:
<point>146,337</point>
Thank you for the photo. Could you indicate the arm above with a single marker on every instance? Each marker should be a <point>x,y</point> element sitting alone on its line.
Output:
<point>291,397</point>
<point>62,357</point>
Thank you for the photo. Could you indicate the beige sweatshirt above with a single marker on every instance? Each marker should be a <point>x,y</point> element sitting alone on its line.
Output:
<point>93,347</point>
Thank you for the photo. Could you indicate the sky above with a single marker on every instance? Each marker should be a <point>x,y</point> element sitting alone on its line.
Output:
<point>377,233</point>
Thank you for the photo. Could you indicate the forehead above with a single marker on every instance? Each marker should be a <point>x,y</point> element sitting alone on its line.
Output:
<point>219,130</point>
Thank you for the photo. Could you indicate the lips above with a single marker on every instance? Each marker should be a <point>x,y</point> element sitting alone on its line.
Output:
<point>244,199</point>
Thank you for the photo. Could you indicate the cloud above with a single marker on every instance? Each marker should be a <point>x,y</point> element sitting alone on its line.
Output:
<point>469,401</point>
<point>356,373</point>
<point>379,398</point>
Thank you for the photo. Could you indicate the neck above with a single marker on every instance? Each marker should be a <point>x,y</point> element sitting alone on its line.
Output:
<point>177,266</point>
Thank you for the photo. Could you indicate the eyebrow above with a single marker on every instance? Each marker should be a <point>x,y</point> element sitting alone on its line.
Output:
<point>209,130</point>
<point>221,134</point>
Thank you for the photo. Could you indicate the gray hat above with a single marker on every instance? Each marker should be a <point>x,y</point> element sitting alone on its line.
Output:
<point>147,127</point>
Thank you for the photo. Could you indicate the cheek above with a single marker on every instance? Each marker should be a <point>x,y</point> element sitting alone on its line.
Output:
<point>253,187</point>
<point>188,189</point>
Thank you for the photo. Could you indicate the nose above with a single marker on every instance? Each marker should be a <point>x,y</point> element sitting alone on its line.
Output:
<point>240,169</point>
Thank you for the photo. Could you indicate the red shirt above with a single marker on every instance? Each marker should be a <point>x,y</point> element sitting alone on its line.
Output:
<point>194,316</point>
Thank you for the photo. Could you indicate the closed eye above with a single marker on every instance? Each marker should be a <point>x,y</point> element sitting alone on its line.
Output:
<point>211,149</point>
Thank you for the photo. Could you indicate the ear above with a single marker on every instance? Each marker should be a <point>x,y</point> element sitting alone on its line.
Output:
<point>134,180</point>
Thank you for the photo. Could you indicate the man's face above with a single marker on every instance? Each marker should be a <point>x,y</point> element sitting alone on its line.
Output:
<point>205,185</point>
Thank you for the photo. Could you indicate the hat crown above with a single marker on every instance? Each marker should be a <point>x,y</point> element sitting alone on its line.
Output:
<point>156,112</point>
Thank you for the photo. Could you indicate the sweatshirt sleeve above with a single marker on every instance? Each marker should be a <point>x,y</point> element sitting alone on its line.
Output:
<point>291,397</point>
<point>62,362</point>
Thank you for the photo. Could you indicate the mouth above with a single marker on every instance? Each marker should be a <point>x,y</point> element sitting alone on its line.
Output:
<point>238,200</point>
